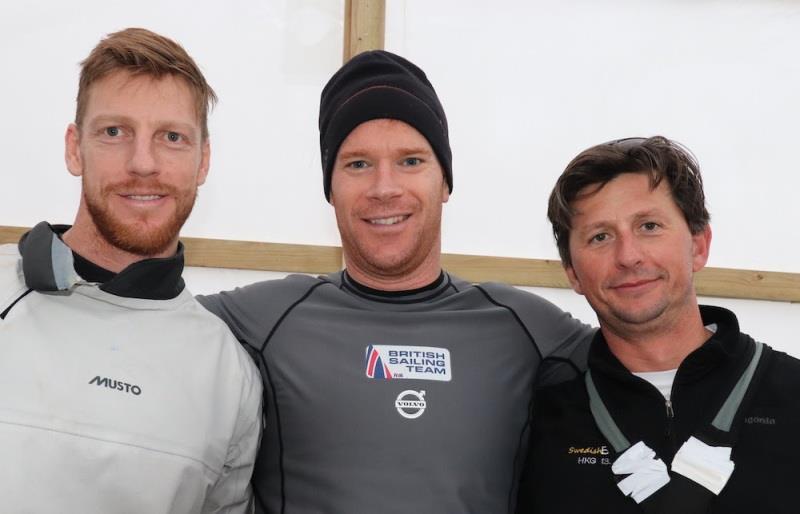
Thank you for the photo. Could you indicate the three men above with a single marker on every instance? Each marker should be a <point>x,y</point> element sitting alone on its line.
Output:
<point>121,393</point>
<point>679,411</point>
<point>392,385</point>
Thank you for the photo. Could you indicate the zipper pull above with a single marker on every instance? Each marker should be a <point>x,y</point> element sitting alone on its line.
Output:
<point>670,412</point>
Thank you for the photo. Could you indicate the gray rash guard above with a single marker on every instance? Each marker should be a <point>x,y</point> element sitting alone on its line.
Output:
<point>398,403</point>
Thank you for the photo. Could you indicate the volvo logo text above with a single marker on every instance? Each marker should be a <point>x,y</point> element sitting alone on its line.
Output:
<point>410,404</point>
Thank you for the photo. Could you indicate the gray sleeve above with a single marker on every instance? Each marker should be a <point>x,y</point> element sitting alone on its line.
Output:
<point>561,340</point>
<point>252,311</point>
<point>232,492</point>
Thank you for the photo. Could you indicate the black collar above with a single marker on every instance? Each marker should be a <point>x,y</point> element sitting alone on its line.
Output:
<point>723,346</point>
<point>421,294</point>
<point>49,265</point>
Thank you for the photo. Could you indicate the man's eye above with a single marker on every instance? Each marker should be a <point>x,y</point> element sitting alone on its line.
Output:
<point>412,161</point>
<point>358,165</point>
<point>598,238</point>
<point>650,226</point>
<point>174,137</point>
<point>112,131</point>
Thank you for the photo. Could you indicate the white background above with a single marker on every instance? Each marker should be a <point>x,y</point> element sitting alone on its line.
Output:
<point>526,86</point>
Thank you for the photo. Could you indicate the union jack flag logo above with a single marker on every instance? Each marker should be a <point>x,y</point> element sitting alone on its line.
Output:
<point>375,365</point>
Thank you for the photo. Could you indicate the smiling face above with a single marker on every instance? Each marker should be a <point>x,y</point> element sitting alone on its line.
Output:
<point>633,255</point>
<point>141,156</point>
<point>388,189</point>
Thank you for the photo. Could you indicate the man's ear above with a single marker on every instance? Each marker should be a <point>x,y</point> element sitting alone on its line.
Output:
<point>72,150</point>
<point>573,279</point>
<point>205,162</point>
<point>701,248</point>
<point>445,191</point>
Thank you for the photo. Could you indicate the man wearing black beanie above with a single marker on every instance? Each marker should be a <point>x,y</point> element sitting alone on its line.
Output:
<point>392,385</point>
<point>380,85</point>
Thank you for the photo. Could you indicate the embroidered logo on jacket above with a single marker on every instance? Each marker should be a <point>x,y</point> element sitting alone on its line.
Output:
<point>116,384</point>
<point>759,420</point>
<point>590,454</point>
<point>408,362</point>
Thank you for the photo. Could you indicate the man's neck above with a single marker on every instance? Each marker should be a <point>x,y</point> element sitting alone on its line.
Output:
<point>413,276</point>
<point>404,283</point>
<point>84,238</point>
<point>658,347</point>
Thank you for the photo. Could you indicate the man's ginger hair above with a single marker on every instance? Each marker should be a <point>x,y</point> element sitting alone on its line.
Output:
<point>142,52</point>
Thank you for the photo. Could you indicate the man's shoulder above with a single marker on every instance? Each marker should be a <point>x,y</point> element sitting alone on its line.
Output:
<point>504,293</point>
<point>266,292</point>
<point>253,310</point>
<point>9,255</point>
<point>556,334</point>
<point>784,368</point>
<point>532,309</point>
<point>215,336</point>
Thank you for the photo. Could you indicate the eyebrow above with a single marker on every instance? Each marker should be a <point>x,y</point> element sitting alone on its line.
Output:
<point>412,150</point>
<point>605,223</point>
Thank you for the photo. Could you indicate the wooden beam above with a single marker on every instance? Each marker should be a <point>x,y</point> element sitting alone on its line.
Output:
<point>220,253</point>
<point>11,234</point>
<point>295,258</point>
<point>364,26</point>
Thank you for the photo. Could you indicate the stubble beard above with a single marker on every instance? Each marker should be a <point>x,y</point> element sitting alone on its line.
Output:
<point>657,317</point>
<point>138,236</point>
<point>377,263</point>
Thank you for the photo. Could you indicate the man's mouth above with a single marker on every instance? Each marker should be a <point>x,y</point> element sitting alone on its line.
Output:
<point>633,284</point>
<point>392,220</point>
<point>144,198</point>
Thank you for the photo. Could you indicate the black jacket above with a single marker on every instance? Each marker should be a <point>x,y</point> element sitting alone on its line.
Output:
<point>569,468</point>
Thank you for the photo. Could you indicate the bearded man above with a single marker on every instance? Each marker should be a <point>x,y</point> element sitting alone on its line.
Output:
<point>127,395</point>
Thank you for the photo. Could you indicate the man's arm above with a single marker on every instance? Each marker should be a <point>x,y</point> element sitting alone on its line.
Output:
<point>232,493</point>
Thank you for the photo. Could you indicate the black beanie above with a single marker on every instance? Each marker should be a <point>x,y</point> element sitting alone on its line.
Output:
<point>374,85</point>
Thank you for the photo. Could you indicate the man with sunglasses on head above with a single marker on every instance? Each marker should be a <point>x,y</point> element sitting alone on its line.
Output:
<point>679,412</point>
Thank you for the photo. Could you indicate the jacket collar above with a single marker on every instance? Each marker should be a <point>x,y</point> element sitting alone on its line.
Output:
<point>423,294</point>
<point>723,346</point>
<point>48,264</point>
<point>703,382</point>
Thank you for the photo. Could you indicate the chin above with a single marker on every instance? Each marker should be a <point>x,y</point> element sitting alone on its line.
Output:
<point>391,263</point>
<point>145,237</point>
<point>639,316</point>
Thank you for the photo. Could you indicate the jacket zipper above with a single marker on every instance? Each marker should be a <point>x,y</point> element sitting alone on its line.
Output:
<point>670,417</point>
<point>670,411</point>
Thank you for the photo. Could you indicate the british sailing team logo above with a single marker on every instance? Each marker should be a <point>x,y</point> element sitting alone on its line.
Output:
<point>393,362</point>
